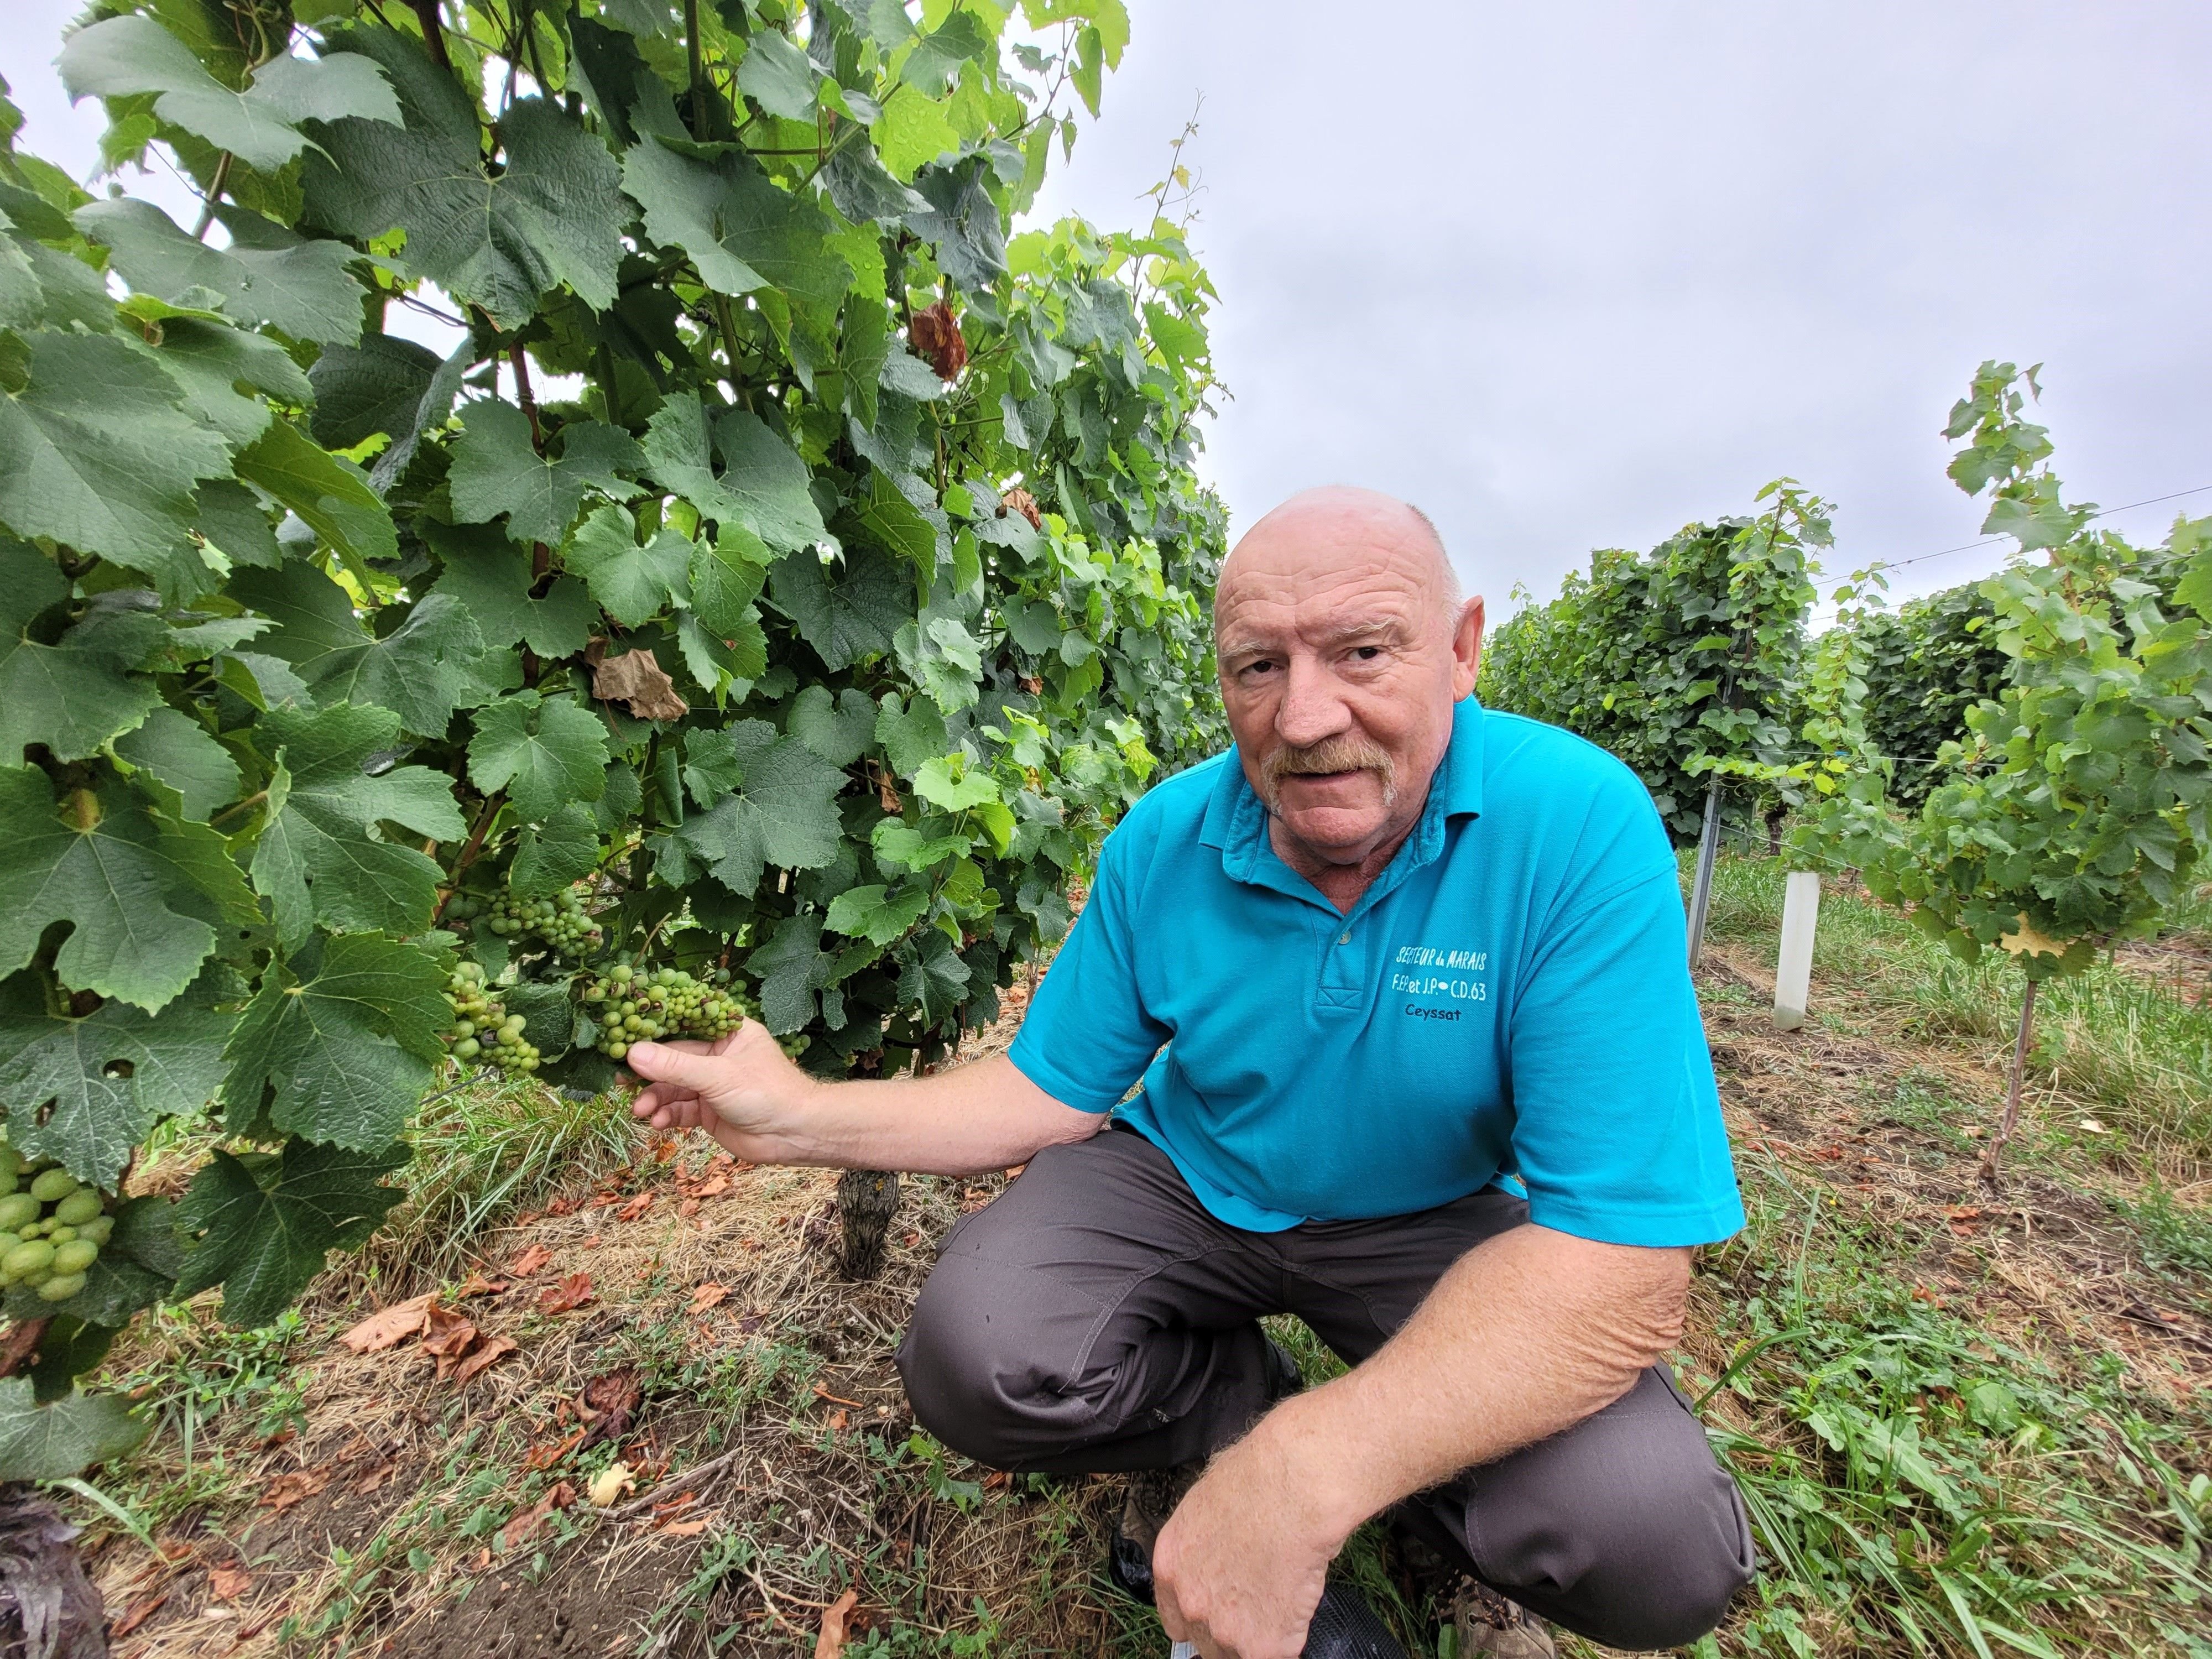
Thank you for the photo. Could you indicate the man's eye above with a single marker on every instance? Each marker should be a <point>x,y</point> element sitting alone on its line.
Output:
<point>1259,667</point>
<point>1367,653</point>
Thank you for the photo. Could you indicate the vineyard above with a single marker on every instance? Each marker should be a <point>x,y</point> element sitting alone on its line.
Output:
<point>760,605</point>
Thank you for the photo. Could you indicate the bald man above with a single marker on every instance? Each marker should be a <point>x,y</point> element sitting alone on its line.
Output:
<point>1403,981</point>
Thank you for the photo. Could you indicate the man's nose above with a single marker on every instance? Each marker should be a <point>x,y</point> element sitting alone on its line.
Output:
<point>1312,706</point>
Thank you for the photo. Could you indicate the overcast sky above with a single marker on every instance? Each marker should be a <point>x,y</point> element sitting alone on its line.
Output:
<point>1570,275</point>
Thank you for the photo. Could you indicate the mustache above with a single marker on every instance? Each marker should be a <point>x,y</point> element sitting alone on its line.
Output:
<point>1347,752</point>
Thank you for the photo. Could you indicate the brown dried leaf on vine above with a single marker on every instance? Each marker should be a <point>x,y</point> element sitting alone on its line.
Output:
<point>635,679</point>
<point>936,337</point>
<point>1022,502</point>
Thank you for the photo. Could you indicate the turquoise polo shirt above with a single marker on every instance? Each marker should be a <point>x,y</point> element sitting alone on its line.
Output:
<point>1509,1000</point>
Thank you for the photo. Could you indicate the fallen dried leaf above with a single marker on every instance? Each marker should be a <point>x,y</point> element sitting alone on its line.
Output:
<point>546,1456</point>
<point>636,1207</point>
<point>530,1260</point>
<point>687,1529</point>
<point>1019,500</point>
<point>138,1613</point>
<point>375,1478</point>
<point>997,1480</point>
<point>608,1404</point>
<point>228,1583</point>
<point>289,1489</point>
<point>526,1524</point>
<point>388,1326</point>
<point>831,1641</point>
<point>713,1186</point>
<point>566,1296</point>
<point>477,1285</point>
<point>837,1421</point>
<point>495,1349</point>
<point>707,1295</point>
<point>561,1206</point>
<point>635,679</point>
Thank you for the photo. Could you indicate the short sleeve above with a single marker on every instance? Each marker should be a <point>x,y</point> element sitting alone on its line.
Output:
<point>1618,1134</point>
<point>1086,1038</point>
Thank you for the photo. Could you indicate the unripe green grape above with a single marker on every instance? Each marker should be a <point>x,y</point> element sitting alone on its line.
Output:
<point>76,1257</point>
<point>60,1233</point>
<point>78,1207</point>
<point>99,1229</point>
<point>54,1185</point>
<point>28,1259</point>
<point>17,1211</point>
<point>62,1287</point>
<point>616,1050</point>
<point>467,1048</point>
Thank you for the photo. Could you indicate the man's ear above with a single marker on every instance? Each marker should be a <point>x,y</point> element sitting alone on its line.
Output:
<point>1466,648</point>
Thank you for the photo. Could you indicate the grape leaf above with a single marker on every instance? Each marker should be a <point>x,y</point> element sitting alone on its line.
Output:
<point>429,414</point>
<point>900,845</point>
<point>894,522</point>
<point>545,752</point>
<point>847,613</point>
<point>931,974</point>
<point>490,578</point>
<point>938,56</point>
<point>726,576</point>
<point>782,809</point>
<point>561,849</point>
<point>230,517</point>
<point>319,858</point>
<point>496,471</point>
<point>863,191</point>
<point>211,362</point>
<point>865,912</point>
<point>299,285</point>
<point>792,967</point>
<point>127,55</point>
<point>63,1440</point>
<point>269,1224</point>
<point>742,231</point>
<point>331,495</point>
<point>72,696</point>
<point>553,213</point>
<point>375,387</point>
<point>100,453</point>
<point>630,582</point>
<point>431,665</point>
<point>962,222</point>
<point>944,782</point>
<point>143,894</point>
<point>763,486</point>
<point>84,1091</point>
<point>346,1032</point>
<point>840,732</point>
<point>913,130</point>
<point>910,734</point>
<point>778,77</point>
<point>177,749</point>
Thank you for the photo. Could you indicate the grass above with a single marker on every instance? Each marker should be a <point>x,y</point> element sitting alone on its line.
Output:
<point>1966,1425</point>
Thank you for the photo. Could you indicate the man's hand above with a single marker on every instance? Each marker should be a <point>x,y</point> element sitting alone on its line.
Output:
<point>1240,1566</point>
<point>741,1089</point>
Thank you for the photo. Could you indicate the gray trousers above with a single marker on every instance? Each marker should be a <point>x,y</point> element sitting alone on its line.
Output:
<point>1096,1318</point>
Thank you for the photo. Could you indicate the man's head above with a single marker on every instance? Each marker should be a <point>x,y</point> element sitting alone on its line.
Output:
<point>1343,645</point>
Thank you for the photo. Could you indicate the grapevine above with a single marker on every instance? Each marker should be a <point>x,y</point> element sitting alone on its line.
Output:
<point>787,560</point>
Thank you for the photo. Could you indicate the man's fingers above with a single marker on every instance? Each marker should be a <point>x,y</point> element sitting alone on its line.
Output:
<point>691,1064</point>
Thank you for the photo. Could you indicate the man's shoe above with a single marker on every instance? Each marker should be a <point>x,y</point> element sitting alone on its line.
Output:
<point>1154,1493</point>
<point>1491,1627</point>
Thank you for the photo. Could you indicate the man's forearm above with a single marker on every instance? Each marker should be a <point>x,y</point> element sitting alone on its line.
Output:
<point>985,1116</point>
<point>1528,1334</point>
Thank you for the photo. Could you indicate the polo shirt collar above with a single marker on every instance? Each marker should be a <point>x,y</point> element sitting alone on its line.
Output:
<point>1235,821</point>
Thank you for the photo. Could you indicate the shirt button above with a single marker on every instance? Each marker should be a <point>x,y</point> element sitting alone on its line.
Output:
<point>1344,938</point>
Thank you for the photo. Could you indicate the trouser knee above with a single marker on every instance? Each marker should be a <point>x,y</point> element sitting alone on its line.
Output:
<point>966,1384</point>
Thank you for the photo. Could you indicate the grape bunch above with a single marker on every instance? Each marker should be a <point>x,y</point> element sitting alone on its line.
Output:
<point>482,1032</point>
<point>636,1006</point>
<point>51,1229</point>
<point>561,921</point>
